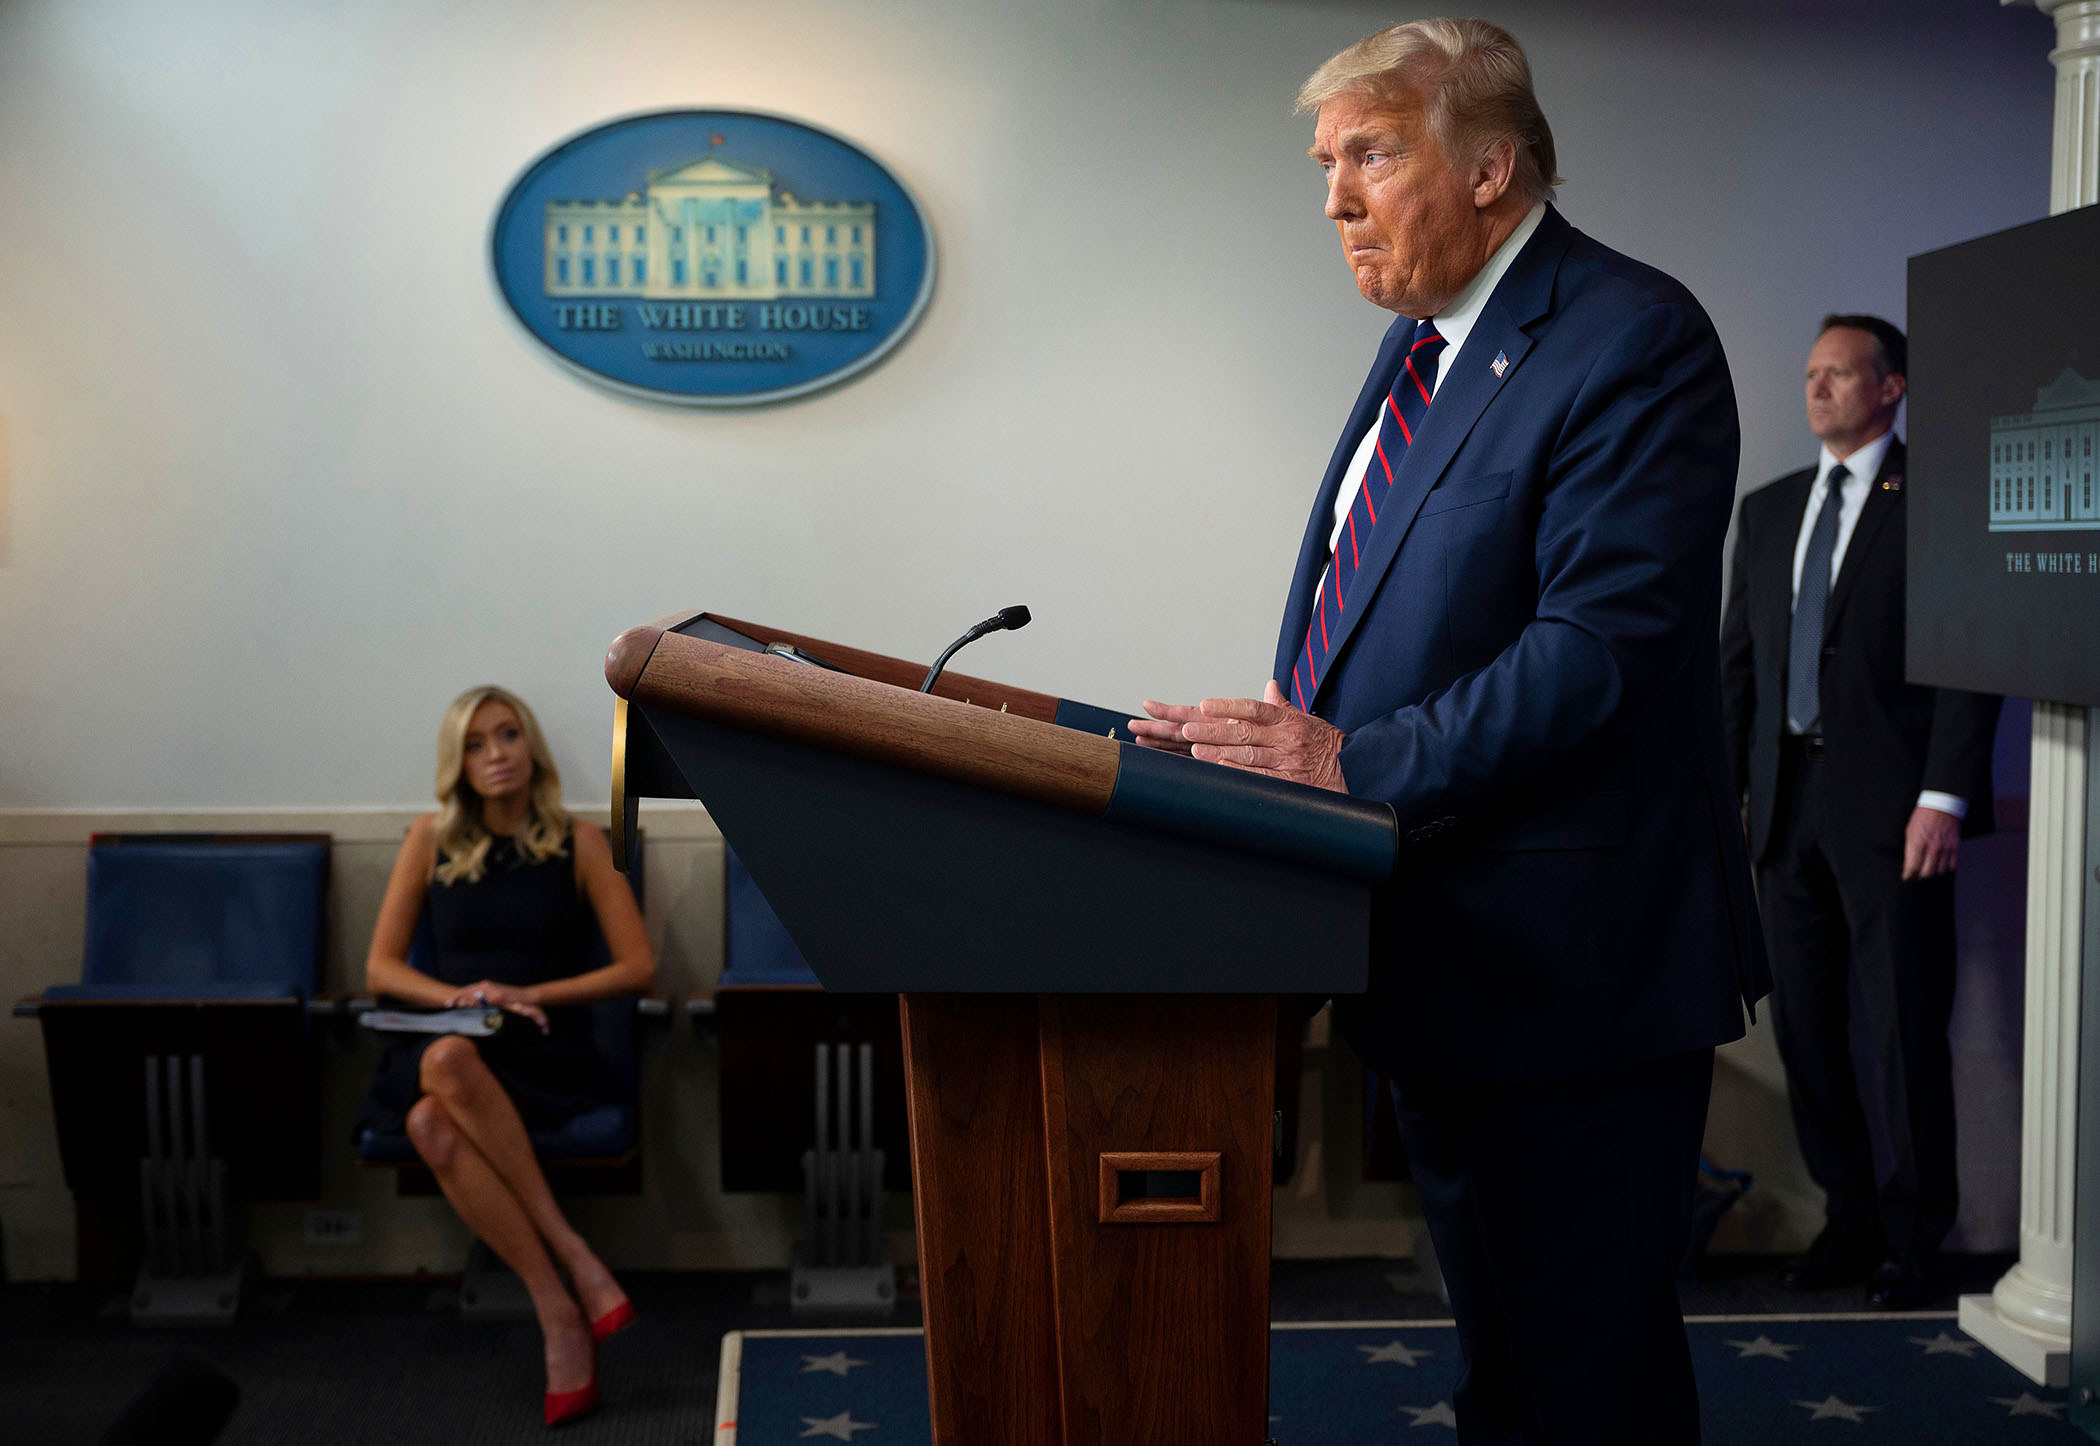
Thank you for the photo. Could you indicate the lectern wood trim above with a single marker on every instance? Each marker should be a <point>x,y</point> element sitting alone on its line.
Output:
<point>1201,1210</point>
<point>628,655</point>
<point>999,697</point>
<point>1031,746</point>
<point>778,697</point>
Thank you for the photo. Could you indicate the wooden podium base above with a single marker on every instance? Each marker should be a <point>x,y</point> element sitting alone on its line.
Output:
<point>1091,1175</point>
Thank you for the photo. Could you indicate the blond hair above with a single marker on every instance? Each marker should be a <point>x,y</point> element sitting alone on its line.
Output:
<point>463,841</point>
<point>1471,76</point>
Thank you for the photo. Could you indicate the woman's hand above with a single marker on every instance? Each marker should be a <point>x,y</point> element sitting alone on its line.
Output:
<point>508,997</point>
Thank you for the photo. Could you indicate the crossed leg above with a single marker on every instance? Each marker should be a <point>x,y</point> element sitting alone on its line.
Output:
<point>469,1133</point>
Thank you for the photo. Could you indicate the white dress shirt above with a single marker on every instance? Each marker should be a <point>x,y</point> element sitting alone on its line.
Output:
<point>1455,323</point>
<point>1862,468</point>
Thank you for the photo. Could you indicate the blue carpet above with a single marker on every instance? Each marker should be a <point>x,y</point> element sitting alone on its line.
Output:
<point>1763,1381</point>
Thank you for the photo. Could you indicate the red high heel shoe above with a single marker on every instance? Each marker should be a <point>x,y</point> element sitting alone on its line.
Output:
<point>613,1321</point>
<point>565,1406</point>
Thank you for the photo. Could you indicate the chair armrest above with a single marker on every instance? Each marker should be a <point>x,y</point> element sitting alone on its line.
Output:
<point>358,1005</point>
<point>328,1006</point>
<point>700,1014</point>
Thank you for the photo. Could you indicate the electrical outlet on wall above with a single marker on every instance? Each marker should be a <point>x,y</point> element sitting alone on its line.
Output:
<point>333,1227</point>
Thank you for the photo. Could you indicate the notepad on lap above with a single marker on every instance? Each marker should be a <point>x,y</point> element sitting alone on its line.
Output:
<point>475,1021</point>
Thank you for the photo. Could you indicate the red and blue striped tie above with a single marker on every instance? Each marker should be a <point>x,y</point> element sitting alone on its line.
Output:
<point>1400,419</point>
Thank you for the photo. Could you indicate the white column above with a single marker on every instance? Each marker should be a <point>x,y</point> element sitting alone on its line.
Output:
<point>2074,163</point>
<point>2027,1318</point>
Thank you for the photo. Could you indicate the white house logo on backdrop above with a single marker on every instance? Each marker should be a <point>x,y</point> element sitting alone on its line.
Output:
<point>2042,462</point>
<point>713,258</point>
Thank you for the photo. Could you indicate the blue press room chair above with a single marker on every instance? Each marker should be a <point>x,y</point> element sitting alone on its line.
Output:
<point>183,1065</point>
<point>811,1100</point>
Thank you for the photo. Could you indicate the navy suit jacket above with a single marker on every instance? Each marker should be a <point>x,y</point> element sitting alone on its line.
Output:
<point>1527,671</point>
<point>1886,738</point>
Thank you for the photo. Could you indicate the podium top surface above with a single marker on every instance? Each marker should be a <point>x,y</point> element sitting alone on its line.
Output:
<point>988,735</point>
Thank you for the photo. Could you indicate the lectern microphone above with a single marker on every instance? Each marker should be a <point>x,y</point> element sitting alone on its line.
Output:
<point>1013,617</point>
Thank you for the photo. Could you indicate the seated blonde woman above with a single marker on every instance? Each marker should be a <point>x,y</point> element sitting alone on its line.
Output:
<point>511,882</point>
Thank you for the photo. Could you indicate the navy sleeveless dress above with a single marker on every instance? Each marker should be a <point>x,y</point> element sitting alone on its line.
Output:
<point>519,923</point>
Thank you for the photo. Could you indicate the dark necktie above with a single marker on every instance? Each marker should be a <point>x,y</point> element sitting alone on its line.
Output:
<point>1398,422</point>
<point>1804,647</point>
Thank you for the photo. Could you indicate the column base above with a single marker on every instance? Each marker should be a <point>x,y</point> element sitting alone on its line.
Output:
<point>2045,1360</point>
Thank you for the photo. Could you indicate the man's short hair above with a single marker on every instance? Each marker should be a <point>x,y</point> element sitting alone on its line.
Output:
<point>1473,79</point>
<point>1891,351</point>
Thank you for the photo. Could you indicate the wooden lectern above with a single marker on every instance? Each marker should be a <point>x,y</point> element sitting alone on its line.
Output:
<point>1088,937</point>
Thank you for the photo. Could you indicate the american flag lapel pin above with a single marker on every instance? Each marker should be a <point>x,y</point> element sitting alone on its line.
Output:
<point>1500,364</point>
<point>1893,484</point>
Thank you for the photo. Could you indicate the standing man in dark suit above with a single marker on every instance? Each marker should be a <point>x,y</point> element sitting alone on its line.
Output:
<point>1860,788</point>
<point>1503,623</point>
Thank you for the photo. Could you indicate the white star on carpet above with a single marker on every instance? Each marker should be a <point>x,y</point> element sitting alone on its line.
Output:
<point>1830,1408</point>
<point>2026,1405</point>
<point>839,1428</point>
<point>1437,1415</point>
<point>838,1363</point>
<point>1763,1346</point>
<point>1946,1345</point>
<point>1393,1351</point>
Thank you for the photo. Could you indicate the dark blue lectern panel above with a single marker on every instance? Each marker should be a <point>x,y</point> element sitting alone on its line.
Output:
<point>891,880</point>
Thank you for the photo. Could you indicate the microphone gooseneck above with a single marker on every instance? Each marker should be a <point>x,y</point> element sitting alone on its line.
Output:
<point>1003,620</point>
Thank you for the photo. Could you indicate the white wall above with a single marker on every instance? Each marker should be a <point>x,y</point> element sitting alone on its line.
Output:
<point>284,478</point>
<point>278,477</point>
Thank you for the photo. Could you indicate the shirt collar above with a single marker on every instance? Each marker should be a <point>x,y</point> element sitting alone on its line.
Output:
<point>1865,464</point>
<point>1455,322</point>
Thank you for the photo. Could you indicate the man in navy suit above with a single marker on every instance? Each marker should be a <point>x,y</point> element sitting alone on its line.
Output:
<point>1860,786</point>
<point>1504,623</point>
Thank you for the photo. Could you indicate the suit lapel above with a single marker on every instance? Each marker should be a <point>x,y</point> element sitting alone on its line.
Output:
<point>1524,294</point>
<point>1312,552</point>
<point>1884,496</point>
<point>1776,564</point>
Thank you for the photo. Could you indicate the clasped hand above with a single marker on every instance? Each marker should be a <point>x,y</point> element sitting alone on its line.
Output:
<point>507,997</point>
<point>1261,735</point>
